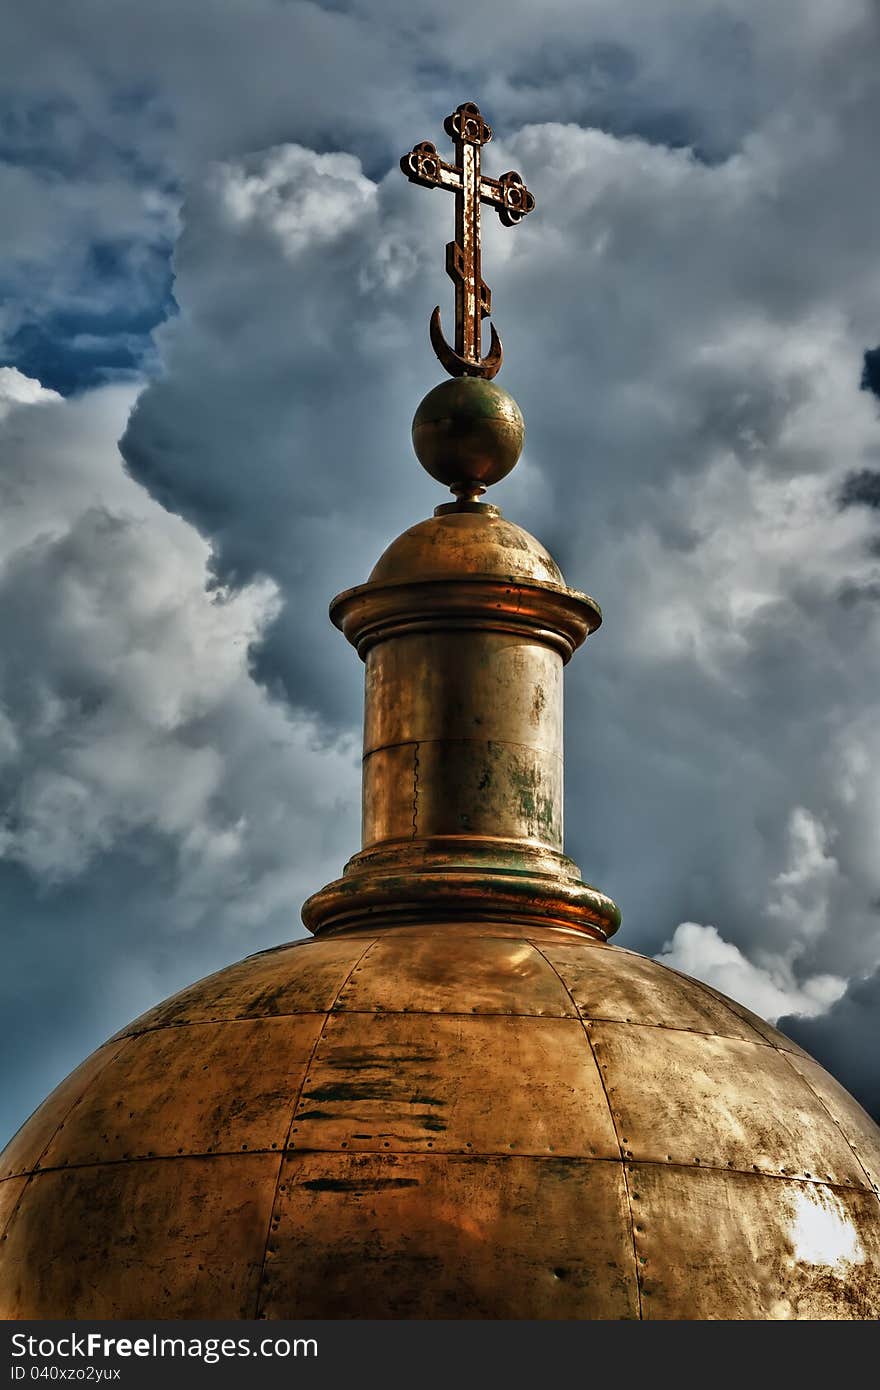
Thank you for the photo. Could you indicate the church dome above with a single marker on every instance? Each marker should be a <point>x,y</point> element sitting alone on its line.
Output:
<point>472,1120</point>
<point>458,1100</point>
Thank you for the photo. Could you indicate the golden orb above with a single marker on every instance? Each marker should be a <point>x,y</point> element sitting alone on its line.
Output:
<point>468,433</point>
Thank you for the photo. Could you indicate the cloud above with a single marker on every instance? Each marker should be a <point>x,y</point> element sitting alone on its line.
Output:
<point>18,389</point>
<point>165,809</point>
<point>845,1038</point>
<point>861,489</point>
<point>94,152</point>
<point>769,991</point>
<point>85,271</point>
<point>293,272</point>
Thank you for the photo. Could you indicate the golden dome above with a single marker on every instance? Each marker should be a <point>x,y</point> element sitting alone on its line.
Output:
<point>462,540</point>
<point>474,1120</point>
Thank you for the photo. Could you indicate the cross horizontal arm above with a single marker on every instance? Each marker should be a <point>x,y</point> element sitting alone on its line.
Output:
<point>509,195</point>
<point>423,165</point>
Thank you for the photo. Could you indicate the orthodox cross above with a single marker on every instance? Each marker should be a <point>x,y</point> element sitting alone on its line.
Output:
<point>511,198</point>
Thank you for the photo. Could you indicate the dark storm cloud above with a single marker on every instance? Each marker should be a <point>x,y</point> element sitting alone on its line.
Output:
<point>684,320</point>
<point>861,489</point>
<point>871,371</point>
<point>127,103</point>
<point>845,1039</point>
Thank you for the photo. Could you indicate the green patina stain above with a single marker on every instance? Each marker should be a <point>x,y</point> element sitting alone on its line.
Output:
<point>537,808</point>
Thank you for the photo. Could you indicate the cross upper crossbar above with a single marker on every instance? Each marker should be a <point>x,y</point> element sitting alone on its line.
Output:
<point>512,200</point>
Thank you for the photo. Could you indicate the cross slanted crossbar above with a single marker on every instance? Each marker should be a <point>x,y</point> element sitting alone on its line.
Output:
<point>512,200</point>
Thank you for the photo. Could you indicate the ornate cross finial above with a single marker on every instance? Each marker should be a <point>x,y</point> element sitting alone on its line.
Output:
<point>473,298</point>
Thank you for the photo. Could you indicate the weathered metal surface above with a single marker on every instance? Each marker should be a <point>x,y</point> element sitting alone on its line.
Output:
<point>460,540</point>
<point>450,887</point>
<point>506,1188</point>
<point>464,626</point>
<point>181,1238</point>
<point>409,971</point>
<point>689,1098</point>
<point>125,1112</point>
<point>375,613</point>
<point>857,1127</point>
<point>419,1082</point>
<point>729,1245</point>
<point>628,988</point>
<point>413,1236</point>
<point>278,981</point>
<point>468,433</point>
<point>512,200</point>
<point>25,1149</point>
<point>10,1191</point>
<point>465,786</point>
<point>442,686</point>
<point>751,1020</point>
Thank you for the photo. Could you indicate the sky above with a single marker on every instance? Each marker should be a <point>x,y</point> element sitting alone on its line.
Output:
<point>215,287</point>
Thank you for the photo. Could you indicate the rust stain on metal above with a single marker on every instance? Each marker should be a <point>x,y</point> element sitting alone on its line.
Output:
<point>486,1235</point>
<point>680,1097</point>
<point>357,1185</point>
<point>728,1245</point>
<point>129,1239</point>
<point>411,1080</point>
<point>512,201</point>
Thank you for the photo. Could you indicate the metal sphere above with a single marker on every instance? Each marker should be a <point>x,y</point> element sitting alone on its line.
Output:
<point>468,433</point>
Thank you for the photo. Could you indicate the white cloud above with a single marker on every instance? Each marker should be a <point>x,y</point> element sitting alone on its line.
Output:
<point>802,895</point>
<point>18,389</point>
<point>300,197</point>
<point>128,666</point>
<point>136,747</point>
<point>769,990</point>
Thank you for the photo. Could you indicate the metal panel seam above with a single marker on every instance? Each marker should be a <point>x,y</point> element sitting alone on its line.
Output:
<point>872,1187</point>
<point>589,1040</point>
<point>213,1022</point>
<point>60,1125</point>
<point>718,998</point>
<point>306,1069</point>
<point>760,1176</point>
